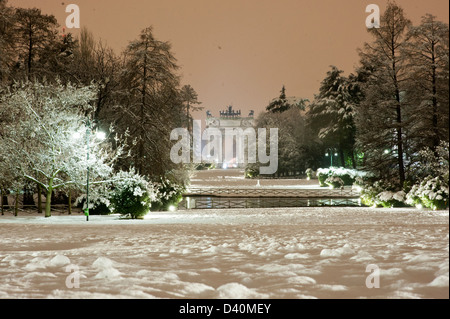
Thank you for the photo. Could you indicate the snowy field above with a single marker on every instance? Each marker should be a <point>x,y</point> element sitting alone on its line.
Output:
<point>253,253</point>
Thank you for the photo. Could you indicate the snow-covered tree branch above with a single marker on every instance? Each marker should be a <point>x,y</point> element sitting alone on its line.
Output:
<point>44,139</point>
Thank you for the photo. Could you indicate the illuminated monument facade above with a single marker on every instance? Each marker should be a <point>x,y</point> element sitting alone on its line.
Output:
<point>230,121</point>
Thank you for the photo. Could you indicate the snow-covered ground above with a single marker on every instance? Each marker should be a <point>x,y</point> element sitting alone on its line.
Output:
<point>248,253</point>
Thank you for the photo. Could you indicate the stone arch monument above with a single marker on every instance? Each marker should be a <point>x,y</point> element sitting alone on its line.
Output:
<point>230,120</point>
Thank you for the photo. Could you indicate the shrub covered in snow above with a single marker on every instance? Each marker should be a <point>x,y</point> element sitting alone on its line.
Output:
<point>391,199</point>
<point>432,192</point>
<point>168,194</point>
<point>347,175</point>
<point>132,195</point>
<point>98,205</point>
<point>334,182</point>
<point>309,173</point>
<point>378,193</point>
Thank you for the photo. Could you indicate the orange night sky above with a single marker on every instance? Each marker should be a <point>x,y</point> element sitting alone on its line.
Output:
<point>241,52</point>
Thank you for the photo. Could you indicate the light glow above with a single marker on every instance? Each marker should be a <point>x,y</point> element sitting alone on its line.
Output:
<point>100,136</point>
<point>76,135</point>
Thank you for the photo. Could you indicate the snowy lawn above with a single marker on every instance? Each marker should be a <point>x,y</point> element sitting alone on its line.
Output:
<point>252,253</point>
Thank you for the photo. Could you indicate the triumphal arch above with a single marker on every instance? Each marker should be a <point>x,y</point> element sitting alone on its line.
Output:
<point>231,124</point>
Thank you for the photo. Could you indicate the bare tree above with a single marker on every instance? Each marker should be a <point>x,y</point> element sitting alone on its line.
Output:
<point>34,32</point>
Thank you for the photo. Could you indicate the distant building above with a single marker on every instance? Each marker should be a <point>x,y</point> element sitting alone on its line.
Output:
<point>230,119</point>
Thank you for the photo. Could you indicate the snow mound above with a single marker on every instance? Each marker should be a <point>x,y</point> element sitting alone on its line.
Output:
<point>421,258</point>
<point>302,280</point>
<point>36,264</point>
<point>106,269</point>
<point>59,261</point>
<point>362,256</point>
<point>237,291</point>
<point>39,263</point>
<point>334,287</point>
<point>102,262</point>
<point>296,256</point>
<point>390,272</point>
<point>443,269</point>
<point>212,269</point>
<point>169,276</point>
<point>346,250</point>
<point>441,281</point>
<point>195,288</point>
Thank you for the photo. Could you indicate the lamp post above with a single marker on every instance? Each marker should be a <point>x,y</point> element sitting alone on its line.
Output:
<point>88,133</point>
<point>99,136</point>
<point>330,152</point>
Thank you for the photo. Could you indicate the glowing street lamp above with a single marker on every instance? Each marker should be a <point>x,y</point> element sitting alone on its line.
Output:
<point>330,153</point>
<point>100,136</point>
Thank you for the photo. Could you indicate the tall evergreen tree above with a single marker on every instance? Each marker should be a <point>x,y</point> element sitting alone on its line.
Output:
<point>331,115</point>
<point>428,54</point>
<point>280,104</point>
<point>152,101</point>
<point>381,120</point>
<point>190,100</point>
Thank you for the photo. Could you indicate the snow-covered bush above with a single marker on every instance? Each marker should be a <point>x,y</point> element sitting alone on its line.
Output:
<point>334,182</point>
<point>432,192</point>
<point>390,199</point>
<point>358,184</point>
<point>380,193</point>
<point>132,195</point>
<point>371,192</point>
<point>251,170</point>
<point>98,205</point>
<point>347,175</point>
<point>309,173</point>
<point>167,193</point>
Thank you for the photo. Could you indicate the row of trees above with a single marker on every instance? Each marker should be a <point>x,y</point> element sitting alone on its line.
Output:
<point>45,73</point>
<point>382,116</point>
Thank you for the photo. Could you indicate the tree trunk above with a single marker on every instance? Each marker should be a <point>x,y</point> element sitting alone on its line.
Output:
<point>435,140</point>
<point>401,166</point>
<point>39,190</point>
<point>48,201</point>
<point>16,205</point>
<point>142,115</point>
<point>399,120</point>
<point>69,195</point>
<point>354,164</point>
<point>48,204</point>
<point>1,202</point>
<point>30,53</point>
<point>342,156</point>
